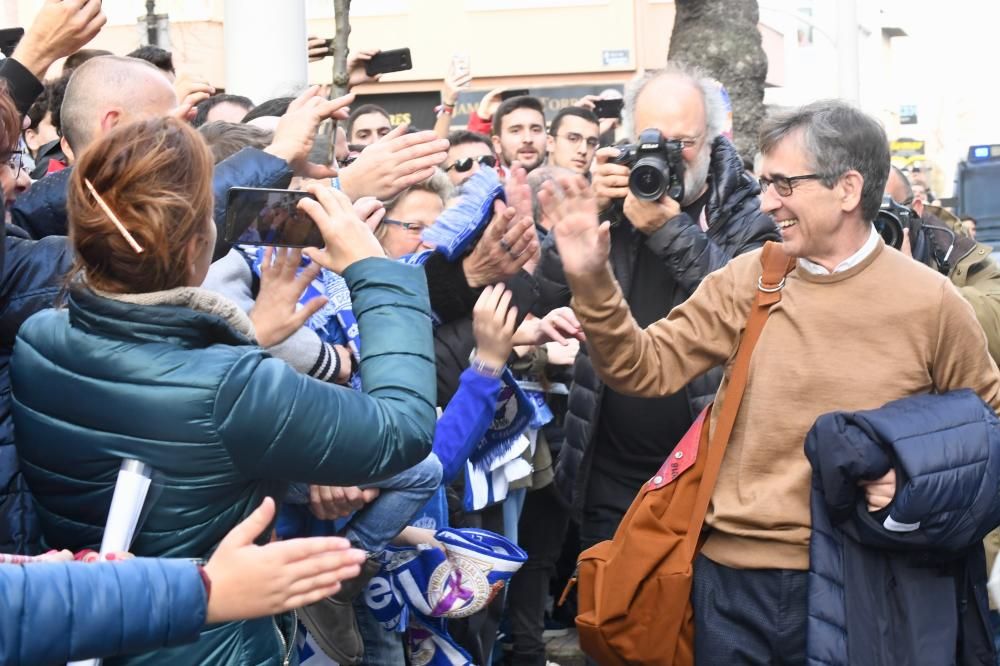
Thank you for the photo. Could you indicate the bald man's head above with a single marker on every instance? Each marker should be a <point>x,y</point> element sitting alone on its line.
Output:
<point>108,91</point>
<point>898,186</point>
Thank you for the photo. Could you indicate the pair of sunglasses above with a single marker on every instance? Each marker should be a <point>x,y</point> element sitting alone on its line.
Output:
<point>465,164</point>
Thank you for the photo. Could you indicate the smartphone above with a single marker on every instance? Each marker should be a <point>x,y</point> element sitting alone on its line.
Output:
<point>9,37</point>
<point>383,62</point>
<point>259,216</point>
<point>608,108</point>
<point>460,64</point>
<point>517,92</point>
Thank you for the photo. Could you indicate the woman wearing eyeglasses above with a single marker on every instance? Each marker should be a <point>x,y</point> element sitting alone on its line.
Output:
<point>409,213</point>
<point>13,177</point>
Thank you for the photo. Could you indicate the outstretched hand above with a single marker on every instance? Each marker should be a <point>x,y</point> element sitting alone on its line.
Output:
<point>61,27</point>
<point>276,315</point>
<point>393,163</point>
<point>296,131</point>
<point>559,325</point>
<point>191,91</point>
<point>251,581</point>
<point>493,320</point>
<point>582,241</point>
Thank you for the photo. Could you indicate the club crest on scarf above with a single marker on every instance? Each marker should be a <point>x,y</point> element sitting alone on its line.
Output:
<point>420,588</point>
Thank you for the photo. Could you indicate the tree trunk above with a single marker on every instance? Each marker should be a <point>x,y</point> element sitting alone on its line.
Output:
<point>339,87</point>
<point>721,37</point>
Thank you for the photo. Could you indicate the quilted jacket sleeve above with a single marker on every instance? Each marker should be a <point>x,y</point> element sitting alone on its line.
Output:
<point>691,254</point>
<point>54,613</point>
<point>279,424</point>
<point>553,291</point>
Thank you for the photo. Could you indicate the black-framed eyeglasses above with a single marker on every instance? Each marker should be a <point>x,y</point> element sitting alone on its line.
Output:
<point>784,185</point>
<point>592,142</point>
<point>465,163</point>
<point>16,162</point>
<point>411,227</point>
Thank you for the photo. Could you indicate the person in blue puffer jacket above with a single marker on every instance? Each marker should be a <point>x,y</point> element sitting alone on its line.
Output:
<point>57,610</point>
<point>143,364</point>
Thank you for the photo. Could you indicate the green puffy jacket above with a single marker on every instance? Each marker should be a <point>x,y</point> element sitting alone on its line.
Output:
<point>174,380</point>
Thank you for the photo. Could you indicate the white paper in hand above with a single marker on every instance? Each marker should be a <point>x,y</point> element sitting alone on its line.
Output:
<point>131,487</point>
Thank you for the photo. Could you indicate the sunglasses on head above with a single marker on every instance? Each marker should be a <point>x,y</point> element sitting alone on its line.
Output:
<point>465,164</point>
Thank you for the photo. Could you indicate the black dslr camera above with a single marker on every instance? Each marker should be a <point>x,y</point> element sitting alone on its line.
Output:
<point>892,218</point>
<point>657,166</point>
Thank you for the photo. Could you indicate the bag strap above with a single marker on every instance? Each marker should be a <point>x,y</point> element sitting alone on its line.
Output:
<point>776,265</point>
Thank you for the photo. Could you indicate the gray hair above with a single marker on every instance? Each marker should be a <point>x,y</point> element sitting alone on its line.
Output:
<point>711,95</point>
<point>838,138</point>
<point>438,184</point>
<point>536,181</point>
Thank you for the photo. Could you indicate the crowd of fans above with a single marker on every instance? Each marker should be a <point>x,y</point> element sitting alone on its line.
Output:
<point>390,447</point>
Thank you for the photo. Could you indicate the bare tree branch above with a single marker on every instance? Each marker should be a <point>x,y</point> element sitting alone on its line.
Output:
<point>341,77</point>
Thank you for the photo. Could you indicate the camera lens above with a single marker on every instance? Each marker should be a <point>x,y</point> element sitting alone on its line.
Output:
<point>890,228</point>
<point>647,180</point>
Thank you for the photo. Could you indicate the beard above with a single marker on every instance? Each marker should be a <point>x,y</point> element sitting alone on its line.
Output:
<point>510,156</point>
<point>696,175</point>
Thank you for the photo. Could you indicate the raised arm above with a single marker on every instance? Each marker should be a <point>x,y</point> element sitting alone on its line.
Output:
<point>279,424</point>
<point>657,361</point>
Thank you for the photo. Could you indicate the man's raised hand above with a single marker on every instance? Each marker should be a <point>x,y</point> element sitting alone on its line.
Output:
<point>582,241</point>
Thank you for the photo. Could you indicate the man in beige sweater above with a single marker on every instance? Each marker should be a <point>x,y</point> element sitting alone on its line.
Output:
<point>858,325</point>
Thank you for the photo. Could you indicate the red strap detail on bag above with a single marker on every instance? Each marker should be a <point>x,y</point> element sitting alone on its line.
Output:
<point>684,455</point>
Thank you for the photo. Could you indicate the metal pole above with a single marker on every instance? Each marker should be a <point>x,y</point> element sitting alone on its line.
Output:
<point>152,34</point>
<point>847,51</point>
<point>265,47</point>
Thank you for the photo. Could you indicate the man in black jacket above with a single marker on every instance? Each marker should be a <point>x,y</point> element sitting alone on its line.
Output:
<point>660,251</point>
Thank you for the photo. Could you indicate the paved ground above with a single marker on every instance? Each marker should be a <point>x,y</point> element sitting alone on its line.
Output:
<point>565,650</point>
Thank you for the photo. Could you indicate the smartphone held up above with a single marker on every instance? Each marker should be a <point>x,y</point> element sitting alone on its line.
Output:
<point>384,62</point>
<point>260,216</point>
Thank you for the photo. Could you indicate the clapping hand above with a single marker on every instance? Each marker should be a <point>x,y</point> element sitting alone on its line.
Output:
<point>507,244</point>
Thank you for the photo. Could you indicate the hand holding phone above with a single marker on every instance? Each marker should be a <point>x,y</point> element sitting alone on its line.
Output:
<point>396,60</point>
<point>516,92</point>
<point>608,108</point>
<point>460,64</point>
<point>457,78</point>
<point>347,238</point>
<point>259,216</point>
<point>9,37</point>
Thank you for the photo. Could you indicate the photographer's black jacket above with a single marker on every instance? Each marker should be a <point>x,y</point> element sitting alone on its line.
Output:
<point>735,225</point>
